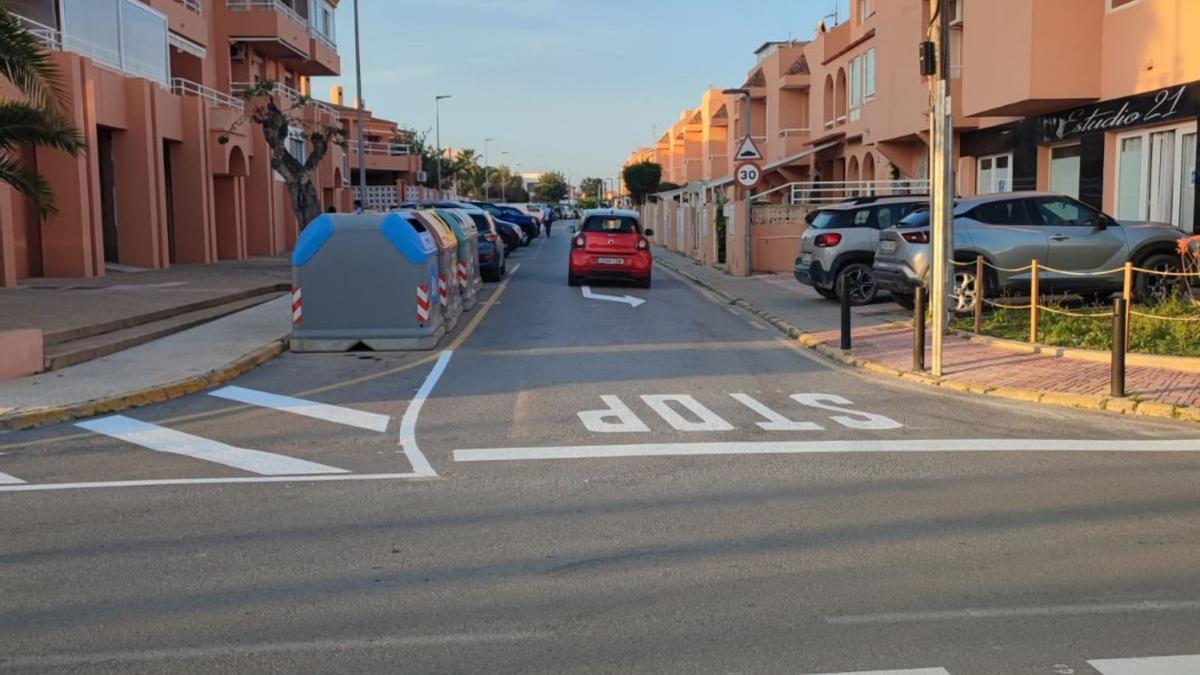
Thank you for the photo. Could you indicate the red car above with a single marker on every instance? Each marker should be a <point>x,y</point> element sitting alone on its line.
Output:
<point>610,244</point>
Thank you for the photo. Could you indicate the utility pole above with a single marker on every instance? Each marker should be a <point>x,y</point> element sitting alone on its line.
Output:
<point>941,174</point>
<point>487,184</point>
<point>358,105</point>
<point>437,114</point>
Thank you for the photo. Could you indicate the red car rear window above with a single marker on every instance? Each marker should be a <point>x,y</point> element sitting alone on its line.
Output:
<point>611,224</point>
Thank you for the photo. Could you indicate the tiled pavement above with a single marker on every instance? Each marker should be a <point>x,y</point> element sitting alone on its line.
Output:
<point>879,339</point>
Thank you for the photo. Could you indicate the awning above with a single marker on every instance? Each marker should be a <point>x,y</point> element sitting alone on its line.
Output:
<point>186,46</point>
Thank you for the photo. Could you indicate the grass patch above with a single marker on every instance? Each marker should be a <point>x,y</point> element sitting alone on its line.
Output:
<point>1146,335</point>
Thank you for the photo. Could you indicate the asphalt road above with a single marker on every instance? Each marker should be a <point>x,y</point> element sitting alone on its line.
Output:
<point>662,488</point>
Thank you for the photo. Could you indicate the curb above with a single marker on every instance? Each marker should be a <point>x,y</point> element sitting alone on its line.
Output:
<point>164,392</point>
<point>1117,406</point>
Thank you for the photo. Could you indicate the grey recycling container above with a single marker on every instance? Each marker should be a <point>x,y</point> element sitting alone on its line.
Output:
<point>368,279</point>
<point>467,273</point>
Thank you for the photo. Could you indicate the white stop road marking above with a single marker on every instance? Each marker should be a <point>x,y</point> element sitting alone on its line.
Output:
<point>620,418</point>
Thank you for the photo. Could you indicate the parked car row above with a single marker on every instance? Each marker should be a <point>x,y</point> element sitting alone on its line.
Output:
<point>871,244</point>
<point>498,238</point>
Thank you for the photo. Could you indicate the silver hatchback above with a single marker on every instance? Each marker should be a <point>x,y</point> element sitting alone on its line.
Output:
<point>839,245</point>
<point>1012,229</point>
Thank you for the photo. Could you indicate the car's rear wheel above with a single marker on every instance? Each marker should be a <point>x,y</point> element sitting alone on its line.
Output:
<point>827,293</point>
<point>1155,287</point>
<point>858,281</point>
<point>644,283</point>
<point>905,301</point>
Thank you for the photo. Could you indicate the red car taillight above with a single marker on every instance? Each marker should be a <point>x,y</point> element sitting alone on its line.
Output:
<point>828,239</point>
<point>643,245</point>
<point>580,242</point>
<point>916,237</point>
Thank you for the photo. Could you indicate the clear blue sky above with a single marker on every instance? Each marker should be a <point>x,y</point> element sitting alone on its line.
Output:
<point>572,85</point>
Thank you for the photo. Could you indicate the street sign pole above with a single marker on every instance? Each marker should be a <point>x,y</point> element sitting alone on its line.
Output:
<point>941,173</point>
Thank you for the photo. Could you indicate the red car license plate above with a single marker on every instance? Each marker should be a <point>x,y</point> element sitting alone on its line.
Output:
<point>611,261</point>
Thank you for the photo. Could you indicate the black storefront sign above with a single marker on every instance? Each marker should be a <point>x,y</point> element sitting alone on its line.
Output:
<point>1173,104</point>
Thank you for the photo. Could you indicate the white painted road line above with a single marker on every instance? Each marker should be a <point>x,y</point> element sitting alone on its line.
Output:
<point>243,480</point>
<point>6,479</point>
<point>408,423</point>
<point>1160,665</point>
<point>162,439</point>
<point>821,447</point>
<point>298,406</point>
<point>1016,612</point>
<point>911,671</point>
<point>623,299</point>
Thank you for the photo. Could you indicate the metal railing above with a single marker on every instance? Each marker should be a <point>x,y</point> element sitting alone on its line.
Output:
<point>329,42</point>
<point>51,38</point>
<point>277,5</point>
<point>831,192</point>
<point>389,149</point>
<point>193,5</point>
<point>797,131</point>
<point>117,56</point>
<point>220,99</point>
<point>295,96</point>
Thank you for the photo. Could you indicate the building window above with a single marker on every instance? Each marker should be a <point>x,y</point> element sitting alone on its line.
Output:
<point>1064,170</point>
<point>864,10</point>
<point>295,144</point>
<point>869,75</point>
<point>956,12</point>
<point>1156,175</point>
<point>995,174</point>
<point>856,80</point>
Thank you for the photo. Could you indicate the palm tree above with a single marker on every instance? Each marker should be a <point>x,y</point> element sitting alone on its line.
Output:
<point>27,65</point>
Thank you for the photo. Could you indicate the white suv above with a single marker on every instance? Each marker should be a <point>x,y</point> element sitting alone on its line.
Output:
<point>840,242</point>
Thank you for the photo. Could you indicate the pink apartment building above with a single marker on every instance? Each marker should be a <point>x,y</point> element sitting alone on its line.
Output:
<point>153,85</point>
<point>1097,99</point>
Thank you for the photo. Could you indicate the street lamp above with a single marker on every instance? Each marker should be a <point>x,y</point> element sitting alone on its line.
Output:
<point>358,105</point>
<point>487,186</point>
<point>746,126</point>
<point>437,105</point>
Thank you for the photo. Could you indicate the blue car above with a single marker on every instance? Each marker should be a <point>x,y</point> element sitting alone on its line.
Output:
<point>510,215</point>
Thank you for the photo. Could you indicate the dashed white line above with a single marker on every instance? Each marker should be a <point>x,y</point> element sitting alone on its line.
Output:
<point>910,671</point>
<point>821,447</point>
<point>162,439</point>
<point>1016,612</point>
<point>298,406</point>
<point>408,424</point>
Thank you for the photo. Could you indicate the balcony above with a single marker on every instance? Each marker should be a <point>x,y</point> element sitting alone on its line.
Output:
<point>273,26</point>
<point>321,111</point>
<point>184,17</point>
<point>385,157</point>
<point>323,59</point>
<point>125,36</point>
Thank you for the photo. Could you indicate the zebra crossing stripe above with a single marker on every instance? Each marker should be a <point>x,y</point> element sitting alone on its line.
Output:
<point>1155,665</point>
<point>299,406</point>
<point>6,479</point>
<point>162,439</point>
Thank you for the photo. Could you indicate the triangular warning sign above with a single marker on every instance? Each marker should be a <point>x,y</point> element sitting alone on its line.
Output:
<point>748,151</point>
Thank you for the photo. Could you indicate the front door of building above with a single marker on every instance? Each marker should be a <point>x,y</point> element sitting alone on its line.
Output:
<point>108,194</point>
<point>1156,175</point>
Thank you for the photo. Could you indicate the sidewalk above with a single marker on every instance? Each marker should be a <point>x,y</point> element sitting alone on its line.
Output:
<point>173,366</point>
<point>59,307</point>
<point>884,346</point>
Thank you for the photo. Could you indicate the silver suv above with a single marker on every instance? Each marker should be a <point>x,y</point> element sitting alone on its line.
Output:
<point>1012,229</point>
<point>840,242</point>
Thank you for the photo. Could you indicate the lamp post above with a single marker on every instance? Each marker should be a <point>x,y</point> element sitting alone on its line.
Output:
<point>358,112</point>
<point>437,106</point>
<point>747,114</point>
<point>487,186</point>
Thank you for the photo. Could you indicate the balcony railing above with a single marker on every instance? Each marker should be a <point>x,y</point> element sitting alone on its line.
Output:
<point>277,5</point>
<point>322,37</point>
<point>389,149</point>
<point>795,131</point>
<point>121,35</point>
<point>217,98</point>
<point>295,96</point>
<point>193,5</point>
<point>832,192</point>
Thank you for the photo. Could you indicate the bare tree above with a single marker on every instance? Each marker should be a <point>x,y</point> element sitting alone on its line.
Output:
<point>282,124</point>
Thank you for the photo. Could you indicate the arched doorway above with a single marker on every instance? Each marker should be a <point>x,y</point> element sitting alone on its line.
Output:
<point>839,97</point>
<point>868,172</point>
<point>229,206</point>
<point>852,177</point>
<point>828,101</point>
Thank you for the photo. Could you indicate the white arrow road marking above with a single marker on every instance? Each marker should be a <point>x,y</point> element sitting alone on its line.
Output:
<point>822,447</point>
<point>6,479</point>
<point>154,437</point>
<point>298,406</point>
<point>624,299</point>
<point>1161,665</point>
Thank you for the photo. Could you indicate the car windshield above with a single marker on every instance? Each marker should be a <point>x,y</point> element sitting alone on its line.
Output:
<point>611,224</point>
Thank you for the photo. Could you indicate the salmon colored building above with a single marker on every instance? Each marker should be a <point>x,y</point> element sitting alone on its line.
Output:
<point>153,86</point>
<point>1097,99</point>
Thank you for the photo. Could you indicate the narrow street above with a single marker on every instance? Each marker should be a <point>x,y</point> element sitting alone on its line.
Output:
<point>582,483</point>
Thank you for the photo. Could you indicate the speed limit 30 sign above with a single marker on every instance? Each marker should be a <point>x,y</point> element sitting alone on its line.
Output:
<point>748,175</point>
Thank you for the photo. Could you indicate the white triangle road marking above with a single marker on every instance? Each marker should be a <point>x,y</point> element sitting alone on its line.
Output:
<point>6,479</point>
<point>1156,665</point>
<point>162,439</point>
<point>298,406</point>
